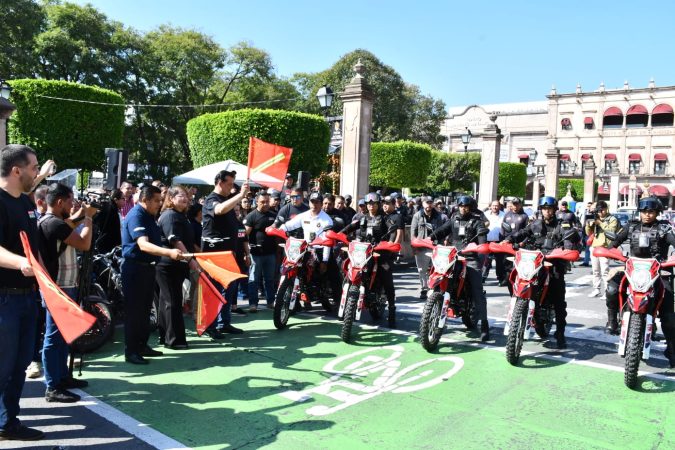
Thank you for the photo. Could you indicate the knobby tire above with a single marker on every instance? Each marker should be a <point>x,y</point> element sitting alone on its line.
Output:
<point>350,315</point>
<point>283,303</point>
<point>514,341</point>
<point>430,334</point>
<point>636,331</point>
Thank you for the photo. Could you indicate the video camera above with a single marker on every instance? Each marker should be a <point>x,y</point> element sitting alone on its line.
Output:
<point>96,199</point>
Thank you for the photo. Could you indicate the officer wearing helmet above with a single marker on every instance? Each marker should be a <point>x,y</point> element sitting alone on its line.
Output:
<point>466,226</point>
<point>648,238</point>
<point>374,227</point>
<point>544,234</point>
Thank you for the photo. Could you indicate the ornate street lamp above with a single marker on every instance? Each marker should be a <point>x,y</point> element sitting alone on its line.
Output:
<point>466,139</point>
<point>573,167</point>
<point>325,96</point>
<point>5,89</point>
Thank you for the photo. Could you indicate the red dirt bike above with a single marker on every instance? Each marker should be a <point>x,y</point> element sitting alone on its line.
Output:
<point>448,296</point>
<point>299,276</point>
<point>361,289</point>
<point>644,295</point>
<point>529,310</point>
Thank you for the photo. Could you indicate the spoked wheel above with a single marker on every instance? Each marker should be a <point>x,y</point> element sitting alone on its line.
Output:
<point>100,332</point>
<point>634,343</point>
<point>376,308</point>
<point>350,314</point>
<point>283,303</point>
<point>430,333</point>
<point>467,317</point>
<point>514,342</point>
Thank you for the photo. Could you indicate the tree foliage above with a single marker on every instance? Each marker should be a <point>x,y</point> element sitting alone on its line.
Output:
<point>452,172</point>
<point>219,136</point>
<point>512,179</point>
<point>22,21</point>
<point>399,164</point>
<point>74,134</point>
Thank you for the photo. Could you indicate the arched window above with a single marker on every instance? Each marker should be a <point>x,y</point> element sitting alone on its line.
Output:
<point>662,116</point>
<point>613,118</point>
<point>637,116</point>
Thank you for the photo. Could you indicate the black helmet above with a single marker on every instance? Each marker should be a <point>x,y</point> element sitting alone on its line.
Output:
<point>548,202</point>
<point>650,203</point>
<point>466,200</point>
<point>373,197</point>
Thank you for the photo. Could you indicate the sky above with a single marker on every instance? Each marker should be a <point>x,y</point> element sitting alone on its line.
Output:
<point>462,52</point>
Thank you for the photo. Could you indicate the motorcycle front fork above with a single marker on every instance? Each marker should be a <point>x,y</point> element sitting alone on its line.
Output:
<point>359,304</point>
<point>646,339</point>
<point>529,322</point>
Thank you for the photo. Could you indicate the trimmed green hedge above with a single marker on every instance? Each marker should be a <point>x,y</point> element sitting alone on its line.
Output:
<point>452,172</point>
<point>512,179</point>
<point>577,187</point>
<point>399,164</point>
<point>73,134</point>
<point>220,136</point>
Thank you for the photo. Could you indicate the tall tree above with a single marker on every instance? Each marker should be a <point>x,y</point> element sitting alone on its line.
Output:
<point>22,21</point>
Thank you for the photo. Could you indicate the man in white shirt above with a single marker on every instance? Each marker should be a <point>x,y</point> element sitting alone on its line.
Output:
<point>495,216</point>
<point>314,223</point>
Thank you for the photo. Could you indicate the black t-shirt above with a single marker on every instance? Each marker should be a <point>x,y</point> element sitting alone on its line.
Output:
<point>289,211</point>
<point>17,214</point>
<point>221,230</point>
<point>175,227</point>
<point>53,231</point>
<point>395,220</point>
<point>261,243</point>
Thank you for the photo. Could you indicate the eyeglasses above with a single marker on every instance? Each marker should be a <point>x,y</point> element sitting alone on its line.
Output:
<point>295,196</point>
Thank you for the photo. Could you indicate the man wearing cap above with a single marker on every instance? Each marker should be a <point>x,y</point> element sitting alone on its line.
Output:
<point>292,209</point>
<point>287,188</point>
<point>596,226</point>
<point>440,206</point>
<point>424,222</point>
<point>393,218</point>
<point>348,207</point>
<point>401,208</point>
<point>263,251</point>
<point>517,220</point>
<point>275,200</point>
<point>220,233</point>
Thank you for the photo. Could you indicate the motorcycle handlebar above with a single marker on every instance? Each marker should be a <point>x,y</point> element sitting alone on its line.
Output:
<point>611,253</point>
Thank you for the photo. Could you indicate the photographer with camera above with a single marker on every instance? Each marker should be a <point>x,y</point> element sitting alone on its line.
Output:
<point>597,222</point>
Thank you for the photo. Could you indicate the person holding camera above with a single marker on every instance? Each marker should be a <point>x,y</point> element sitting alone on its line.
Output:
<point>597,223</point>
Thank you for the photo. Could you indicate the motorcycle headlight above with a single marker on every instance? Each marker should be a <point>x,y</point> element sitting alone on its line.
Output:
<point>359,255</point>
<point>641,279</point>
<point>294,250</point>
<point>441,260</point>
<point>526,267</point>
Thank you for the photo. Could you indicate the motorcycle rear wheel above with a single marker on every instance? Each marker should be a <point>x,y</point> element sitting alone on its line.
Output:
<point>430,333</point>
<point>283,303</point>
<point>636,332</point>
<point>514,341</point>
<point>377,307</point>
<point>350,314</point>
<point>470,312</point>
<point>100,332</point>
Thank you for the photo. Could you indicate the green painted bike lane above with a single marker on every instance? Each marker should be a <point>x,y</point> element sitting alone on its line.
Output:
<point>304,388</point>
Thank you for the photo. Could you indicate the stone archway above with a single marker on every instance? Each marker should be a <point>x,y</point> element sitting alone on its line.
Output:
<point>529,187</point>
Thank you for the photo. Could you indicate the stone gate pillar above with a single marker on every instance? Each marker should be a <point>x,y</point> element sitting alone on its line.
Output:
<point>6,110</point>
<point>489,164</point>
<point>589,180</point>
<point>357,112</point>
<point>614,188</point>
<point>551,171</point>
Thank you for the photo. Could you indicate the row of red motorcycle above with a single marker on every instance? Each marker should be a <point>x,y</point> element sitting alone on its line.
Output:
<point>529,311</point>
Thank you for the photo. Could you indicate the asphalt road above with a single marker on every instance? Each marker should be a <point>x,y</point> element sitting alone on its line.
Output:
<point>93,424</point>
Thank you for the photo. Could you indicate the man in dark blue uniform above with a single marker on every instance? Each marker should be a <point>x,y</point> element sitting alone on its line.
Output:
<point>141,250</point>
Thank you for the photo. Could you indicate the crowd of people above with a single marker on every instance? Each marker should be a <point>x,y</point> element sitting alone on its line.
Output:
<point>159,226</point>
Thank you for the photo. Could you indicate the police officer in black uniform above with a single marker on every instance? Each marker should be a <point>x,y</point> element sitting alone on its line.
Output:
<point>545,234</point>
<point>517,220</point>
<point>292,209</point>
<point>648,238</point>
<point>374,227</point>
<point>465,226</point>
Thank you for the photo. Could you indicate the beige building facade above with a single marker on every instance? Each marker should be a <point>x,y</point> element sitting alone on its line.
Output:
<point>630,129</point>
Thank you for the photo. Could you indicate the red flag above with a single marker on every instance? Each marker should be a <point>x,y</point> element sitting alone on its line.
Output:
<point>71,320</point>
<point>268,161</point>
<point>209,303</point>
<point>221,266</point>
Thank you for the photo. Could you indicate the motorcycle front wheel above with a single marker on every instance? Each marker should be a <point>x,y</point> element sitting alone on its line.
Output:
<point>350,314</point>
<point>100,331</point>
<point>514,342</point>
<point>283,303</point>
<point>430,333</point>
<point>634,344</point>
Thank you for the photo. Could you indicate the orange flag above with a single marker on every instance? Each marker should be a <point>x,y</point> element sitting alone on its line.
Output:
<point>221,266</point>
<point>71,320</point>
<point>270,160</point>
<point>209,303</point>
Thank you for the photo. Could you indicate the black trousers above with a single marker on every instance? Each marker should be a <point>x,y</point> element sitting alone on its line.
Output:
<point>171,326</point>
<point>138,286</point>
<point>474,278</point>
<point>385,264</point>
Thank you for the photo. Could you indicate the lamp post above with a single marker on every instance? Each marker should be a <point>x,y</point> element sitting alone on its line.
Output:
<point>325,96</point>
<point>466,139</point>
<point>5,89</point>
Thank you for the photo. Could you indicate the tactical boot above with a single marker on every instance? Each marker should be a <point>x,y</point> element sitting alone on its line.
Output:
<point>484,330</point>
<point>560,339</point>
<point>392,317</point>
<point>612,322</point>
<point>669,352</point>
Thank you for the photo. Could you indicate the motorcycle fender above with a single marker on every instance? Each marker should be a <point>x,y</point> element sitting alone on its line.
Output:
<point>343,300</point>
<point>529,328</point>
<point>444,311</point>
<point>512,305</point>
<point>434,280</point>
<point>359,306</point>
<point>294,295</point>
<point>354,275</point>
<point>289,271</point>
<point>625,318</point>
<point>647,341</point>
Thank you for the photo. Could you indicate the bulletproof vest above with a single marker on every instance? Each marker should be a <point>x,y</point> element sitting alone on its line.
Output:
<point>646,242</point>
<point>545,235</point>
<point>372,228</point>
<point>463,229</point>
<point>518,221</point>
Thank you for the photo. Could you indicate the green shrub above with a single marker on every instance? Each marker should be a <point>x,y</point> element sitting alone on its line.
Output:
<point>220,136</point>
<point>452,172</point>
<point>399,164</point>
<point>73,134</point>
<point>512,179</point>
<point>577,187</point>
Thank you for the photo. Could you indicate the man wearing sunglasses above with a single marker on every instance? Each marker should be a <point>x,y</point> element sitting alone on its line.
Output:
<point>648,238</point>
<point>292,209</point>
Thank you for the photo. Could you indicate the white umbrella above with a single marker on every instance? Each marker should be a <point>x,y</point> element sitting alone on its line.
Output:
<point>207,174</point>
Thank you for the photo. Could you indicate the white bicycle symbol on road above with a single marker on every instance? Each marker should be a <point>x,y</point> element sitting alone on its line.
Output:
<point>380,366</point>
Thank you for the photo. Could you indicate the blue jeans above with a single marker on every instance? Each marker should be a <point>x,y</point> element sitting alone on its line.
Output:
<point>230,295</point>
<point>262,267</point>
<point>18,320</point>
<point>55,349</point>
